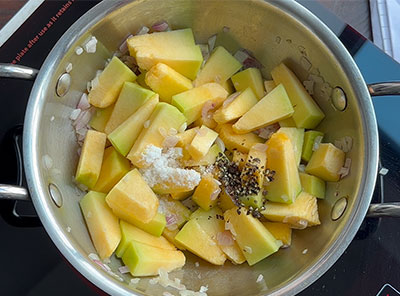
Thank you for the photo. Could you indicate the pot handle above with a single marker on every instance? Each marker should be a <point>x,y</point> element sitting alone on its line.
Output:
<point>12,195</point>
<point>384,89</point>
<point>17,71</point>
<point>384,210</point>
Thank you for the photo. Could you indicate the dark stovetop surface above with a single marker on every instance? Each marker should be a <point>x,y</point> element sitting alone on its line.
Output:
<point>32,265</point>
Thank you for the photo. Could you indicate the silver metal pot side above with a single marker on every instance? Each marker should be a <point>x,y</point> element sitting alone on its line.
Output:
<point>257,25</point>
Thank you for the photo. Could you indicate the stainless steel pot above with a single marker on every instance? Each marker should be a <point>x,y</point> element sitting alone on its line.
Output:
<point>275,31</point>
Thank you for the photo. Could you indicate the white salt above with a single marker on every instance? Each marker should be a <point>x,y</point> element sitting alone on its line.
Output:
<point>164,168</point>
<point>305,251</point>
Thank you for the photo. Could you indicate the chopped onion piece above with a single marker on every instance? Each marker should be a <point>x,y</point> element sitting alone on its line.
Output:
<point>220,143</point>
<point>143,30</point>
<point>171,219</point>
<point>259,278</point>
<point>83,103</point>
<point>90,46</point>
<point>68,68</point>
<point>78,50</point>
<point>229,226</point>
<point>304,251</point>
<point>302,168</point>
<point>170,141</point>
<point>172,132</point>
<point>230,99</point>
<point>160,27</point>
<point>383,171</point>
<point>83,119</point>
<point>247,59</point>
<point>205,52</point>
<point>75,114</point>
<point>123,48</point>
<point>207,107</point>
<point>225,238</point>
<point>123,269</point>
<point>134,281</point>
<point>203,289</point>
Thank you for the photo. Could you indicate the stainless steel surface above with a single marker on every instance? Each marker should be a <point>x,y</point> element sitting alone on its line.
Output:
<point>13,192</point>
<point>56,195</point>
<point>384,210</point>
<point>384,89</point>
<point>303,37</point>
<point>63,84</point>
<point>17,71</point>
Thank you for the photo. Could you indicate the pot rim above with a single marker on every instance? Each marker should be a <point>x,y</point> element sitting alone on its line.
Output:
<point>112,286</point>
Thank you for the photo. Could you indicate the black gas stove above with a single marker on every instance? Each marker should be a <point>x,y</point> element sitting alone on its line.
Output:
<point>32,265</point>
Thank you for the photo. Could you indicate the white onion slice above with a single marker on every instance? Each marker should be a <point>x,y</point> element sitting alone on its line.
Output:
<point>83,103</point>
<point>225,238</point>
<point>123,269</point>
<point>160,27</point>
<point>230,99</point>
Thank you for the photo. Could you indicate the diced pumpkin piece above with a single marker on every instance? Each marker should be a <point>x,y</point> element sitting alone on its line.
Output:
<point>196,240</point>
<point>186,137</point>
<point>125,135</point>
<point>270,109</point>
<point>174,48</point>
<point>100,118</point>
<point>202,142</point>
<point>206,193</point>
<point>181,195</point>
<point>239,158</point>
<point>307,113</point>
<point>219,67</point>
<point>166,81</point>
<point>280,158</point>
<point>176,209</point>
<point>155,227</point>
<point>110,83</point>
<point>288,122</point>
<point>225,201</point>
<point>164,117</point>
<point>300,214</point>
<point>296,136</point>
<point>91,159</point>
<point>131,97</point>
<point>133,197</point>
<point>312,185</point>
<point>249,78</point>
<point>280,231</point>
<point>326,162</point>
<point>308,145</point>
<point>253,173</point>
<point>102,223</point>
<point>253,238</point>
<point>170,236</point>
<point>114,167</point>
<point>241,142</point>
<point>132,233</point>
<point>145,260</point>
<point>235,109</point>
<point>211,221</point>
<point>191,102</point>
<point>207,159</point>
<point>269,85</point>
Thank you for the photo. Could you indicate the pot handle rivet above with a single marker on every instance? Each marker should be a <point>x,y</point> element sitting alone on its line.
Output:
<point>339,208</point>
<point>63,84</point>
<point>55,195</point>
<point>339,99</point>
